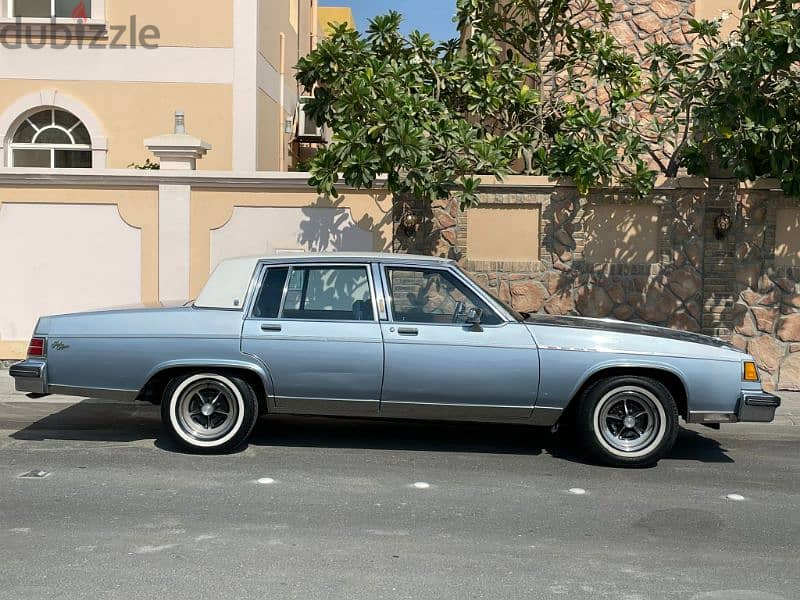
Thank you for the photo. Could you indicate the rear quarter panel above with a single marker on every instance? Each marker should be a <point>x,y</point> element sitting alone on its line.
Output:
<point>121,350</point>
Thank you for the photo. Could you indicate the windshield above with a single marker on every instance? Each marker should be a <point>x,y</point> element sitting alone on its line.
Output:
<point>508,308</point>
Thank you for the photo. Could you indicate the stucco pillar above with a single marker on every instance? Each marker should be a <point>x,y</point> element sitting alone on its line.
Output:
<point>173,242</point>
<point>178,151</point>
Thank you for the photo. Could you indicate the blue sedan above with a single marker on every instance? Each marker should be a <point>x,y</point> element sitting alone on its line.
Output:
<point>391,336</point>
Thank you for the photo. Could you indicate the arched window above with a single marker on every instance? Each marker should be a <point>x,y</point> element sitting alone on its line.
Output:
<point>51,138</point>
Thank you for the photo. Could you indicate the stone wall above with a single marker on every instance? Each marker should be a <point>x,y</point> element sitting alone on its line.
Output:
<point>766,313</point>
<point>691,280</point>
<point>636,22</point>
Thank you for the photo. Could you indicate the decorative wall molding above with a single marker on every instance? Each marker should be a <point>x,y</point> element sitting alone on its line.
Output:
<point>258,180</point>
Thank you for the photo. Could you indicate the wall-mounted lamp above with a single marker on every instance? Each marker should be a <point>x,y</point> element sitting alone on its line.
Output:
<point>409,222</point>
<point>722,225</point>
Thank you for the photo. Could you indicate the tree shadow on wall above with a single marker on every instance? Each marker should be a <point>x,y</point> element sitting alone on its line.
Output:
<point>620,273</point>
<point>326,230</point>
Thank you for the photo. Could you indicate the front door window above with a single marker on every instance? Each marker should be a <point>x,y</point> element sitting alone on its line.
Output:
<point>433,296</point>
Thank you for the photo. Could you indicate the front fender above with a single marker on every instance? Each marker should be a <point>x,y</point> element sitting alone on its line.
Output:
<point>655,365</point>
<point>565,371</point>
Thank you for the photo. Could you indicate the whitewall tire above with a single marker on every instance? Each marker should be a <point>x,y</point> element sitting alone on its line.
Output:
<point>628,420</point>
<point>209,412</point>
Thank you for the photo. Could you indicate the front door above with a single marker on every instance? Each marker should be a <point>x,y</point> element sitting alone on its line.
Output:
<point>437,366</point>
<point>315,328</point>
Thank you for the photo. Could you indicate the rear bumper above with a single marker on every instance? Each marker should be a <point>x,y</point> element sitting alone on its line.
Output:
<point>757,407</point>
<point>29,376</point>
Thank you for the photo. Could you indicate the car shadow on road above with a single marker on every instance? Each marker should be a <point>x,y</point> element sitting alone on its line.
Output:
<point>91,421</point>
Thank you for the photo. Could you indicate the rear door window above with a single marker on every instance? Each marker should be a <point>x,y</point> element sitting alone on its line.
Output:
<point>336,293</point>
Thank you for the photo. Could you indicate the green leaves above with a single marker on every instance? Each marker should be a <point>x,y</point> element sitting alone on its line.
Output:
<point>530,84</point>
<point>751,108</point>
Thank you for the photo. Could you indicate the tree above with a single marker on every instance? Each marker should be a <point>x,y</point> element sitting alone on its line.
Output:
<point>388,100</point>
<point>544,83</point>
<point>431,116</point>
<point>750,114</point>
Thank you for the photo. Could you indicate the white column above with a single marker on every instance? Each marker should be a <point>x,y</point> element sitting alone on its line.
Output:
<point>245,84</point>
<point>173,242</point>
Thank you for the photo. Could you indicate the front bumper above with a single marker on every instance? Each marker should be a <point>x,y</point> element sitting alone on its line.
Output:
<point>29,376</point>
<point>757,407</point>
<point>752,407</point>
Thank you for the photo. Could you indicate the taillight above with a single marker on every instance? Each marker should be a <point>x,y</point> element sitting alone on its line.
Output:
<point>37,347</point>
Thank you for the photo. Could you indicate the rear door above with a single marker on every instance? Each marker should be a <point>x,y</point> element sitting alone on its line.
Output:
<point>315,327</point>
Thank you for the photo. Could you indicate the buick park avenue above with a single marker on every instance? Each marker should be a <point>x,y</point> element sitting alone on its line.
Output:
<point>391,336</point>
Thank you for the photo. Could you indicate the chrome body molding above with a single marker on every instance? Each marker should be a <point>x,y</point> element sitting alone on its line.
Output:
<point>397,362</point>
<point>111,394</point>
<point>456,412</point>
<point>701,417</point>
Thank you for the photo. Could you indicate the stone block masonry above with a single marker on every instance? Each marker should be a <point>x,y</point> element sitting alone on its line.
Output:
<point>666,267</point>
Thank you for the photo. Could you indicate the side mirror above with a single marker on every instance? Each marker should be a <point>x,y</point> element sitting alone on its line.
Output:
<point>474,316</point>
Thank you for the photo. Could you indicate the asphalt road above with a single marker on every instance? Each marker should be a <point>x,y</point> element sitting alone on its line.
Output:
<point>122,514</point>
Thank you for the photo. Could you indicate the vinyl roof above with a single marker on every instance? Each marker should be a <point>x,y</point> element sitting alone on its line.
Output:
<point>228,284</point>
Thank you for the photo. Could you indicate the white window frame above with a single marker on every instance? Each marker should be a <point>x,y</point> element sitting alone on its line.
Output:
<point>97,18</point>
<point>51,147</point>
<point>25,106</point>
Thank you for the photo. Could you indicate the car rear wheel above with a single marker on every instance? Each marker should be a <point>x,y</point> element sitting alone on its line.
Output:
<point>209,412</point>
<point>628,421</point>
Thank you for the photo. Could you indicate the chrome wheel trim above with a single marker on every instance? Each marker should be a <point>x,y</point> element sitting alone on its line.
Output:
<point>224,418</point>
<point>629,421</point>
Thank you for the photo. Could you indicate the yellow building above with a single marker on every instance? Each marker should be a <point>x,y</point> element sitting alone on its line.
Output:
<point>84,82</point>
<point>334,15</point>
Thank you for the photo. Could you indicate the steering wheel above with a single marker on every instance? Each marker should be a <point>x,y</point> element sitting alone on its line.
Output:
<point>460,308</point>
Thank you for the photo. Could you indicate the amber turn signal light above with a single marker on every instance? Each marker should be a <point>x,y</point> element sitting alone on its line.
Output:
<point>750,371</point>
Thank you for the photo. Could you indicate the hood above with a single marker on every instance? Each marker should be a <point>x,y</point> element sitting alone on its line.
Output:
<point>613,326</point>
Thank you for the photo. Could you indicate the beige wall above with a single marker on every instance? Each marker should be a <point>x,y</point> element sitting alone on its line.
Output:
<point>286,32</point>
<point>787,237</point>
<point>626,234</point>
<point>186,23</point>
<point>712,9</point>
<point>503,233</point>
<point>293,18</point>
<point>271,142</point>
<point>131,112</point>
<point>274,20</point>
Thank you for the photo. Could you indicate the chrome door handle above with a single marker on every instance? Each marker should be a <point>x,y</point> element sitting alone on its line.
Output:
<point>408,331</point>
<point>268,327</point>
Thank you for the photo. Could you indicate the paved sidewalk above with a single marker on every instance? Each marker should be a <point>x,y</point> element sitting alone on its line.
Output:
<point>788,413</point>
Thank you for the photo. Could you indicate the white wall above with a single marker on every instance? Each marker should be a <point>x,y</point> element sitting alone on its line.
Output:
<point>60,258</point>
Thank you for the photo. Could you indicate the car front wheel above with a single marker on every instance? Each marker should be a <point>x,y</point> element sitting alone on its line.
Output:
<point>209,412</point>
<point>628,421</point>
